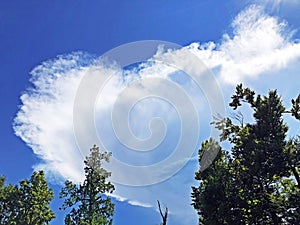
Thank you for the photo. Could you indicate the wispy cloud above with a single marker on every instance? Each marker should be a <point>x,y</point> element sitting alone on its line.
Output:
<point>136,203</point>
<point>276,5</point>
<point>44,121</point>
<point>258,45</point>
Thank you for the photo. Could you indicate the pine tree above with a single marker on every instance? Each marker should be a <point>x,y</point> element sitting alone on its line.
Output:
<point>88,201</point>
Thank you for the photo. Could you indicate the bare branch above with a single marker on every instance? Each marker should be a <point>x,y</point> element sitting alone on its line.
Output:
<point>164,215</point>
<point>238,117</point>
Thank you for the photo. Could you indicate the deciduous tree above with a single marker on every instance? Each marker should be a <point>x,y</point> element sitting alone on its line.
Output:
<point>26,203</point>
<point>257,181</point>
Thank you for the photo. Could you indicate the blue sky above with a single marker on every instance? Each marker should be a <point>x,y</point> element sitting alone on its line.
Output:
<point>47,48</point>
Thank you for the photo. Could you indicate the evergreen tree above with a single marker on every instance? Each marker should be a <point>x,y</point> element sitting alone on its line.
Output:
<point>88,202</point>
<point>257,182</point>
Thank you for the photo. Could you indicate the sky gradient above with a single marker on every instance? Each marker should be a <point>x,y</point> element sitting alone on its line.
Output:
<point>47,49</point>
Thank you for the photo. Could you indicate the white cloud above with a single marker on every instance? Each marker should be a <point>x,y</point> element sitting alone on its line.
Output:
<point>259,44</point>
<point>131,202</point>
<point>44,120</point>
<point>136,203</point>
<point>45,123</point>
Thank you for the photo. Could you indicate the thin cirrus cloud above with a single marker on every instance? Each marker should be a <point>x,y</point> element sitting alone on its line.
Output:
<point>259,44</point>
<point>275,5</point>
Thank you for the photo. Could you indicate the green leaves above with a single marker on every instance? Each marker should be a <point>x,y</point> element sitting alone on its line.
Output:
<point>244,95</point>
<point>88,201</point>
<point>210,199</point>
<point>257,181</point>
<point>27,203</point>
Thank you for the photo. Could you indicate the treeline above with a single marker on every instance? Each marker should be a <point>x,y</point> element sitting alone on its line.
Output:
<point>87,203</point>
<point>256,181</point>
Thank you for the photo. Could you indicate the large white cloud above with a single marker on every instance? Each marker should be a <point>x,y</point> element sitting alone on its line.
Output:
<point>259,44</point>
<point>44,121</point>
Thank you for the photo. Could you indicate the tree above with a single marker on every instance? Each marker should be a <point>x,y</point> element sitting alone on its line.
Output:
<point>89,202</point>
<point>257,182</point>
<point>27,203</point>
<point>6,201</point>
<point>164,215</point>
<point>213,199</point>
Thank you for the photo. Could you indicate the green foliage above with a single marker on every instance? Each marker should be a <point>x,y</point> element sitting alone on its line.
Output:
<point>27,203</point>
<point>211,198</point>
<point>7,200</point>
<point>258,182</point>
<point>296,107</point>
<point>88,202</point>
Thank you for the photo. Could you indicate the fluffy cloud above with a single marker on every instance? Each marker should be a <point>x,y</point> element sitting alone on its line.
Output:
<point>259,44</point>
<point>158,109</point>
<point>44,121</point>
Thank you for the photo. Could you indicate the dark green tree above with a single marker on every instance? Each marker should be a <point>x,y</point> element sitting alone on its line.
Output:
<point>88,201</point>
<point>27,203</point>
<point>216,196</point>
<point>257,182</point>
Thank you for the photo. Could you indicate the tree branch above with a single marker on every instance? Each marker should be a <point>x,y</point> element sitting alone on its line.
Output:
<point>164,216</point>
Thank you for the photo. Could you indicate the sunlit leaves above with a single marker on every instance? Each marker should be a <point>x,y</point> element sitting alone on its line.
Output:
<point>88,201</point>
<point>27,203</point>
